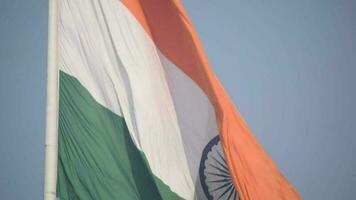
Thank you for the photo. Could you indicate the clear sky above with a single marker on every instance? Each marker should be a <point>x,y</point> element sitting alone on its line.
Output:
<point>289,66</point>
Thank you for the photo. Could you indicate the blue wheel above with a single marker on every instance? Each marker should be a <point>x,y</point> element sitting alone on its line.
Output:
<point>214,175</point>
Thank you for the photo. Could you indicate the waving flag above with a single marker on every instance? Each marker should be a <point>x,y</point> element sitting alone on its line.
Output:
<point>142,115</point>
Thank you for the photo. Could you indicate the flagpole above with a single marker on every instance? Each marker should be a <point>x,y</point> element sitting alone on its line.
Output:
<point>51,146</point>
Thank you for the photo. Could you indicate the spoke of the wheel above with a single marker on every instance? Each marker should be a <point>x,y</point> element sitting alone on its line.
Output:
<point>220,180</point>
<point>235,192</point>
<point>221,175</point>
<point>221,164</point>
<point>227,190</point>
<point>222,157</point>
<point>231,192</point>
<point>221,170</point>
<point>218,188</point>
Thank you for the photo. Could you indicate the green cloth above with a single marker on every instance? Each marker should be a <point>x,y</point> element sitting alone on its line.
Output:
<point>97,158</point>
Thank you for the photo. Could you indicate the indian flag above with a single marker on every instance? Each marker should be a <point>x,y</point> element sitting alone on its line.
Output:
<point>141,114</point>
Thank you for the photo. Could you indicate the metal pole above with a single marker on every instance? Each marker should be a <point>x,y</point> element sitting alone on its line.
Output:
<point>51,147</point>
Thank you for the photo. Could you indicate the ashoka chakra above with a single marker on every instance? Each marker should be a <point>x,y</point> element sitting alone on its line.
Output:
<point>214,175</point>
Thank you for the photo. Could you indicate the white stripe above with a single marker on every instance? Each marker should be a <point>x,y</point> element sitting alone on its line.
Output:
<point>195,114</point>
<point>169,117</point>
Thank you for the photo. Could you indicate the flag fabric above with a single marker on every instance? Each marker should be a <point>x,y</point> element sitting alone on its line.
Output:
<point>142,115</point>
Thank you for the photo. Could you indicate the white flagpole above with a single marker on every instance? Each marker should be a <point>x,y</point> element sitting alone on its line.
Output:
<point>51,147</point>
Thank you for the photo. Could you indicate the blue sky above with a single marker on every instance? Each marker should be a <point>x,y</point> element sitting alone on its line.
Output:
<point>289,66</point>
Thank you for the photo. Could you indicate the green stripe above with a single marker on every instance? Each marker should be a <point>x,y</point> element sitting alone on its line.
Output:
<point>97,158</point>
